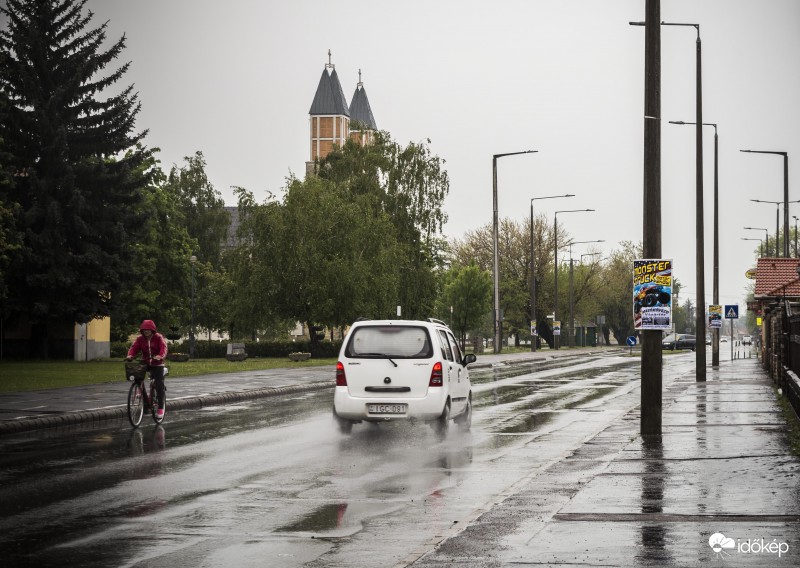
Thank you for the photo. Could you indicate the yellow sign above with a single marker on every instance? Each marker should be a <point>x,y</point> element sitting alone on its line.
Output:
<point>758,322</point>
<point>750,273</point>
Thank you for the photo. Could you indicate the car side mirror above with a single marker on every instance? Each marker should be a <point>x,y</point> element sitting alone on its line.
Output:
<point>469,359</point>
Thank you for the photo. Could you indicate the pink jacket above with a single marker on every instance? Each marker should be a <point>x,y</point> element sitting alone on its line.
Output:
<point>156,345</point>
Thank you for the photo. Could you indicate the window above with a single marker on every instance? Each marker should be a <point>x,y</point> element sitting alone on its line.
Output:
<point>447,353</point>
<point>456,348</point>
<point>400,342</point>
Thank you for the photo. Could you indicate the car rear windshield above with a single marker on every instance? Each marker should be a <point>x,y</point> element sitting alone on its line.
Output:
<point>393,341</point>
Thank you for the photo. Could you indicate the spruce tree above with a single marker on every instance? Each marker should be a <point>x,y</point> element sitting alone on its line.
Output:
<point>76,165</point>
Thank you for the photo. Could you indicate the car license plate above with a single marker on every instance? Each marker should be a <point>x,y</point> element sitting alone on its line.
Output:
<point>386,408</point>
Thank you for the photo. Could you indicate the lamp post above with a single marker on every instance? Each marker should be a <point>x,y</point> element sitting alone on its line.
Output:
<point>777,225</point>
<point>760,246</point>
<point>557,339</point>
<point>715,277</point>
<point>766,238</point>
<point>534,322</point>
<point>192,261</point>
<point>570,340</point>
<point>796,252</point>
<point>495,238</point>
<point>785,197</point>
<point>700,319</point>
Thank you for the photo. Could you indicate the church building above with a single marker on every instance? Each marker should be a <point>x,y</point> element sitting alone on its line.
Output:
<point>332,121</point>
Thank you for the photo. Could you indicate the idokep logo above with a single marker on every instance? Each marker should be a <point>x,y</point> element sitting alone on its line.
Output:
<point>719,543</point>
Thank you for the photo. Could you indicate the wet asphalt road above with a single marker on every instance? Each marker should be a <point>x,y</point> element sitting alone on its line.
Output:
<point>272,482</point>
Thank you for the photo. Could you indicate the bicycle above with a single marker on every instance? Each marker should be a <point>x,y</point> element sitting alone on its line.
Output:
<point>141,398</point>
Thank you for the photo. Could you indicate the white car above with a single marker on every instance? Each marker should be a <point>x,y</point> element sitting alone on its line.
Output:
<point>402,370</point>
<point>747,340</point>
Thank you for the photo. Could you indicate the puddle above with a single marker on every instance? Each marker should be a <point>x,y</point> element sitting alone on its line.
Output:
<point>326,518</point>
<point>523,423</point>
<point>594,395</point>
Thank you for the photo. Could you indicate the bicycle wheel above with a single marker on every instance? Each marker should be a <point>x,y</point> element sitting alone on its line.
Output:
<point>154,407</point>
<point>136,403</point>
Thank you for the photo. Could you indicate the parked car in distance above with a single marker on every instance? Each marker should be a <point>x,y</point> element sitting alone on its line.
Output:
<point>402,370</point>
<point>747,340</point>
<point>679,341</point>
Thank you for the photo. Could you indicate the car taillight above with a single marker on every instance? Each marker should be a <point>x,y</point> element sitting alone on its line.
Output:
<point>437,378</point>
<point>341,380</point>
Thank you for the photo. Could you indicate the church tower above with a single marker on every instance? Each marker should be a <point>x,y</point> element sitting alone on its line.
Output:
<point>362,123</point>
<point>330,116</point>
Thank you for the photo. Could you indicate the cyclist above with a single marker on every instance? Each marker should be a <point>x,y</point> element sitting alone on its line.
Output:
<point>153,348</point>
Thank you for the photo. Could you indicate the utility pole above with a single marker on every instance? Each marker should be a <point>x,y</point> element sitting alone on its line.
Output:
<point>651,339</point>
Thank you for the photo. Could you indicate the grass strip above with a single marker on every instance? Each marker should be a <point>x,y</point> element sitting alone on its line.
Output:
<point>22,376</point>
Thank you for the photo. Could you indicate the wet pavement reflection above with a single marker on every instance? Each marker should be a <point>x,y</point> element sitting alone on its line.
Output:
<point>272,482</point>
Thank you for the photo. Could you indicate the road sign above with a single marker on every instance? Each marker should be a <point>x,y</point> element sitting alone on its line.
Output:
<point>631,340</point>
<point>732,311</point>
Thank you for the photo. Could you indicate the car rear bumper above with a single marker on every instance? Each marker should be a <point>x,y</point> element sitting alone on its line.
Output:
<point>355,408</point>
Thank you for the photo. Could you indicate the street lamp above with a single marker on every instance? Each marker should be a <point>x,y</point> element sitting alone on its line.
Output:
<point>534,322</point>
<point>570,340</point>
<point>785,197</point>
<point>700,319</point>
<point>760,246</point>
<point>192,261</point>
<point>766,237</point>
<point>715,277</point>
<point>557,339</point>
<point>796,252</point>
<point>495,238</point>
<point>777,225</point>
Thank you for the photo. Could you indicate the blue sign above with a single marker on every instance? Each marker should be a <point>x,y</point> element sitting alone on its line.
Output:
<point>732,312</point>
<point>631,340</point>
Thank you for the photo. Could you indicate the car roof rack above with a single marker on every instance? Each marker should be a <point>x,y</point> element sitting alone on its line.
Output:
<point>434,320</point>
<point>362,319</point>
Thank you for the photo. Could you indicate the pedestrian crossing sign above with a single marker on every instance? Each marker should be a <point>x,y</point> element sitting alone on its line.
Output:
<point>732,312</point>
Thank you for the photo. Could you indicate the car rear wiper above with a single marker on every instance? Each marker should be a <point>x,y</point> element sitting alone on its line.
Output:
<point>383,355</point>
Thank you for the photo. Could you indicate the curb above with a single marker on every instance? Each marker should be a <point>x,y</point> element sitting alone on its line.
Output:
<point>72,418</point>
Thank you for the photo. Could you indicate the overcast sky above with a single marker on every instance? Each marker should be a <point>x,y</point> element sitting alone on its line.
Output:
<point>236,79</point>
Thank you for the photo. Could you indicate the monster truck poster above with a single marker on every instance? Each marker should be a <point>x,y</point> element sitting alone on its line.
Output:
<point>652,294</point>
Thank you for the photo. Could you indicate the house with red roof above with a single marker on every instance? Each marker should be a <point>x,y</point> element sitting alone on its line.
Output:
<point>777,302</point>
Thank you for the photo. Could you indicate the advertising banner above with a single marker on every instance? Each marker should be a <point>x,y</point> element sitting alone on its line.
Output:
<point>556,328</point>
<point>652,294</point>
<point>714,317</point>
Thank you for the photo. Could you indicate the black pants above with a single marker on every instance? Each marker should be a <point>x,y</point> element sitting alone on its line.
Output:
<point>157,372</point>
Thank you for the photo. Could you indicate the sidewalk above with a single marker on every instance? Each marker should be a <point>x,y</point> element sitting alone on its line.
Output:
<point>721,488</point>
<point>33,410</point>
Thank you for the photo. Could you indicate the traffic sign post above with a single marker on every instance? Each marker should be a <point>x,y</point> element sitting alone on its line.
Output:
<point>732,313</point>
<point>631,341</point>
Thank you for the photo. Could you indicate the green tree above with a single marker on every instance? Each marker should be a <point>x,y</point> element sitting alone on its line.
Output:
<point>321,256</point>
<point>77,205</point>
<point>202,207</point>
<point>468,292</point>
<point>9,238</point>
<point>409,185</point>
<point>514,251</point>
<point>160,285</point>
<point>616,293</point>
